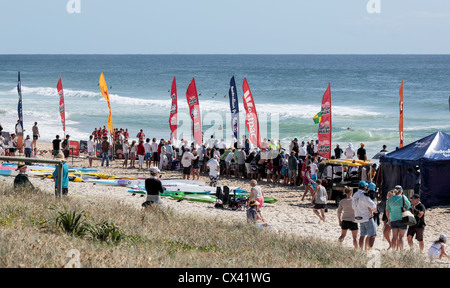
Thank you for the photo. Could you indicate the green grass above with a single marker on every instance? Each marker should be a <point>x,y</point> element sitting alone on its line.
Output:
<point>37,230</point>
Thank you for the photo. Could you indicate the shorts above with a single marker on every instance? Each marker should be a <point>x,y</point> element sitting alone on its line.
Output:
<point>187,170</point>
<point>241,168</point>
<point>213,179</point>
<point>148,156</point>
<point>276,170</point>
<point>35,137</point>
<point>368,228</point>
<point>155,157</point>
<point>292,173</point>
<point>349,225</point>
<point>319,206</point>
<point>248,166</point>
<point>91,154</point>
<point>418,232</point>
<point>126,156</point>
<point>260,201</point>
<point>195,167</point>
<point>228,165</point>
<point>398,225</point>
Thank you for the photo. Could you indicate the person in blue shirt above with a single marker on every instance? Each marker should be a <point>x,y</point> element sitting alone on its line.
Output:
<point>65,175</point>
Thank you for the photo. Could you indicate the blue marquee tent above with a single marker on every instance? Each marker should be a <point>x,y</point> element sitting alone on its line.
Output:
<point>431,156</point>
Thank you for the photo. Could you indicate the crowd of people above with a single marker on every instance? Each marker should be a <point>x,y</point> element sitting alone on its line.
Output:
<point>12,145</point>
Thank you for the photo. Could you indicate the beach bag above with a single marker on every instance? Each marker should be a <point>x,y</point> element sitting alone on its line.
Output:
<point>407,216</point>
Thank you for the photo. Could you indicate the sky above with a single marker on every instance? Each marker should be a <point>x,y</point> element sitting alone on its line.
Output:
<point>224,27</point>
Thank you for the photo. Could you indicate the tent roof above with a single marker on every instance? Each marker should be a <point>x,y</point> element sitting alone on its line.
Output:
<point>433,148</point>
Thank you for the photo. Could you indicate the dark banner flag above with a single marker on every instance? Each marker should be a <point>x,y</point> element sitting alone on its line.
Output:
<point>173,119</point>
<point>19,107</point>
<point>234,106</point>
<point>194,109</point>
<point>325,126</point>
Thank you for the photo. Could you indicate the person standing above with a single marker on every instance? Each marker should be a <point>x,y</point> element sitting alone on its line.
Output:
<point>186,161</point>
<point>418,209</point>
<point>105,151</point>
<point>56,145</point>
<point>154,151</point>
<point>27,144</point>
<point>36,136</point>
<point>293,166</point>
<point>319,200</point>
<point>338,152</point>
<point>141,154</point>
<point>148,153</point>
<point>346,217</point>
<point>126,153</point>
<point>65,146</point>
<point>65,176</point>
<point>214,171</point>
<point>409,183</point>
<point>394,214</point>
<point>349,152</point>
<point>361,153</point>
<point>140,135</point>
<point>133,150</point>
<point>364,207</point>
<point>91,149</point>
<point>256,193</point>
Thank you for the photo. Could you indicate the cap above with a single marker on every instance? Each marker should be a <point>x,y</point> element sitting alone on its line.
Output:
<point>154,170</point>
<point>372,187</point>
<point>398,187</point>
<point>295,139</point>
<point>362,184</point>
<point>443,238</point>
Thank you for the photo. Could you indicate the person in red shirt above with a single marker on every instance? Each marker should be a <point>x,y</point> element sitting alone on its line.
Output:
<point>126,134</point>
<point>141,153</point>
<point>105,132</point>
<point>141,135</point>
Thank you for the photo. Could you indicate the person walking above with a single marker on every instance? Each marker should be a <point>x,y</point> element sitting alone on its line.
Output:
<point>256,193</point>
<point>346,217</point>
<point>364,207</point>
<point>418,209</point>
<point>319,199</point>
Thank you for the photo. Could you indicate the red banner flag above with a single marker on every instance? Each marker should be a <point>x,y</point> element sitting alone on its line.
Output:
<point>194,108</point>
<point>61,104</point>
<point>173,119</point>
<point>325,126</point>
<point>251,117</point>
<point>400,125</point>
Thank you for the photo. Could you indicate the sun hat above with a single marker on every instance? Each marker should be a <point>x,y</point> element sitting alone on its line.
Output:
<point>253,203</point>
<point>60,155</point>
<point>20,165</point>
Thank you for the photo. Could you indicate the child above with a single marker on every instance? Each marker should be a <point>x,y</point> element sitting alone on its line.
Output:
<point>437,249</point>
<point>253,215</point>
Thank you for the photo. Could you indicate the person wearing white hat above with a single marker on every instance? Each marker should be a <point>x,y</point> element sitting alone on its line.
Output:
<point>154,187</point>
<point>349,152</point>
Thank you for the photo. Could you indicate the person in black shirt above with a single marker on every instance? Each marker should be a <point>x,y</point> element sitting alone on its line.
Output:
<point>418,210</point>
<point>338,152</point>
<point>154,187</point>
<point>21,180</point>
<point>56,145</point>
<point>361,153</point>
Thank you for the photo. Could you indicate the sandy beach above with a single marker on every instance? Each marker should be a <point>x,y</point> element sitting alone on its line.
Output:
<point>288,215</point>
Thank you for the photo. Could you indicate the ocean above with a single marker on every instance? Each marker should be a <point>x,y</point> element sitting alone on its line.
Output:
<point>287,91</point>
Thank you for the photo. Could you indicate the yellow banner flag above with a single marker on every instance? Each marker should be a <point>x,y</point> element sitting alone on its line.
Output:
<point>104,90</point>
